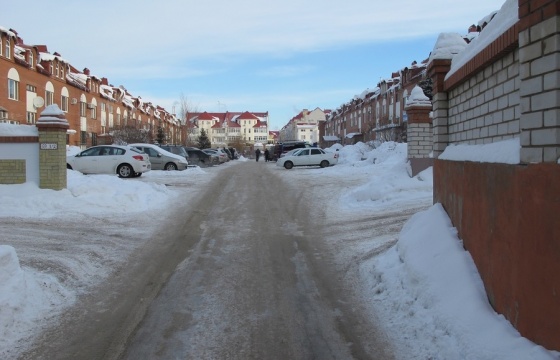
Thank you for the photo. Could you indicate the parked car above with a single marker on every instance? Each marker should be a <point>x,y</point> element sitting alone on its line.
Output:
<point>234,153</point>
<point>228,153</point>
<point>200,158</point>
<point>177,150</point>
<point>284,147</point>
<point>291,152</point>
<point>222,157</point>
<point>309,157</point>
<point>162,159</point>
<point>125,161</point>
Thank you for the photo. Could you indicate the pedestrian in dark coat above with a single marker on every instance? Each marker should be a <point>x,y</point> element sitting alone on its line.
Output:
<point>258,154</point>
<point>266,155</point>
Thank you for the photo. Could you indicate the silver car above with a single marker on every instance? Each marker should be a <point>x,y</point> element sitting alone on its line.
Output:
<point>162,159</point>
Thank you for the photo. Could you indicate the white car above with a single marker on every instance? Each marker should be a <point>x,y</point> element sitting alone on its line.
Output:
<point>162,159</point>
<point>125,161</point>
<point>308,157</point>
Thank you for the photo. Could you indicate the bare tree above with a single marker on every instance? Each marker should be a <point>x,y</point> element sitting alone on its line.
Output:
<point>129,134</point>
<point>185,107</point>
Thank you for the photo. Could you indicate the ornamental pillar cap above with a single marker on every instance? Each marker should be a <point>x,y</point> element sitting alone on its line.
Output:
<point>52,115</point>
<point>418,99</point>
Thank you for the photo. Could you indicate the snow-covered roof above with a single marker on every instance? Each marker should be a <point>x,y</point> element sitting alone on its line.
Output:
<point>501,21</point>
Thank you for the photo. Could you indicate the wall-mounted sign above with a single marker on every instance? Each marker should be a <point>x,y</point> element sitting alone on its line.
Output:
<point>49,146</point>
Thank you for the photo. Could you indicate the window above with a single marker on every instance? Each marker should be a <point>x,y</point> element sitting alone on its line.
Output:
<point>31,117</point>
<point>93,109</point>
<point>13,89</point>
<point>8,47</point>
<point>31,88</point>
<point>83,137</point>
<point>49,97</point>
<point>0,44</point>
<point>64,103</point>
<point>31,59</point>
<point>83,108</point>
<point>57,70</point>
<point>93,139</point>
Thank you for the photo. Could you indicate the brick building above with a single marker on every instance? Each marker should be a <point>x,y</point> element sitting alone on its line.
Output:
<point>31,78</point>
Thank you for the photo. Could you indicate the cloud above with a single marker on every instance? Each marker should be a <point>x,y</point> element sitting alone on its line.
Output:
<point>284,71</point>
<point>177,30</point>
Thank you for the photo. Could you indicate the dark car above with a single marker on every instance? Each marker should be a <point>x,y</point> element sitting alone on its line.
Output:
<point>228,153</point>
<point>199,157</point>
<point>176,149</point>
<point>284,147</point>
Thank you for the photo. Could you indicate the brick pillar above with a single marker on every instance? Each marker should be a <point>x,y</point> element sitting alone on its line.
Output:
<point>419,131</point>
<point>539,58</point>
<point>437,69</point>
<point>52,128</point>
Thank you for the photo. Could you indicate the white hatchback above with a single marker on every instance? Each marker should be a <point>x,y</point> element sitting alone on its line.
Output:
<point>125,161</point>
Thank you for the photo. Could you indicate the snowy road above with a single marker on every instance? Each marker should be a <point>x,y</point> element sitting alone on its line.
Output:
<point>256,285</point>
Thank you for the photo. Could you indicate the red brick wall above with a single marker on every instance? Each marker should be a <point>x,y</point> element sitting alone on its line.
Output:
<point>17,110</point>
<point>507,217</point>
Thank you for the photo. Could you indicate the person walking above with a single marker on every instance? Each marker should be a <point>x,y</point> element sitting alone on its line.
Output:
<point>266,155</point>
<point>258,154</point>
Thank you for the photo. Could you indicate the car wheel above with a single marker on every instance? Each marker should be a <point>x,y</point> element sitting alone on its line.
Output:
<point>324,164</point>
<point>170,166</point>
<point>288,165</point>
<point>125,171</point>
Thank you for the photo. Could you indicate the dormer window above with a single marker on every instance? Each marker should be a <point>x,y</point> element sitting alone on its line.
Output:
<point>31,59</point>
<point>57,70</point>
<point>8,47</point>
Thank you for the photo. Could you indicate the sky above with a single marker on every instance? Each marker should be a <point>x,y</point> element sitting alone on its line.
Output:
<point>246,55</point>
<point>424,286</point>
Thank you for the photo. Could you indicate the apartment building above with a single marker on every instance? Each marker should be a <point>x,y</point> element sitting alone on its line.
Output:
<point>229,128</point>
<point>305,126</point>
<point>32,78</point>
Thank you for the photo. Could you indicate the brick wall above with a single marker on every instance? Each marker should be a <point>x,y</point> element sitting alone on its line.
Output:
<point>17,151</point>
<point>507,215</point>
<point>486,108</point>
<point>12,171</point>
<point>540,91</point>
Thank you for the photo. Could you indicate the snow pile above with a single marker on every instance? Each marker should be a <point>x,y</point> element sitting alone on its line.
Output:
<point>18,130</point>
<point>429,280</point>
<point>85,194</point>
<point>505,152</point>
<point>389,184</point>
<point>25,297</point>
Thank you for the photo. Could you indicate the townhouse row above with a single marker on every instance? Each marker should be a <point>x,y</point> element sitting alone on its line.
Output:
<point>92,106</point>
